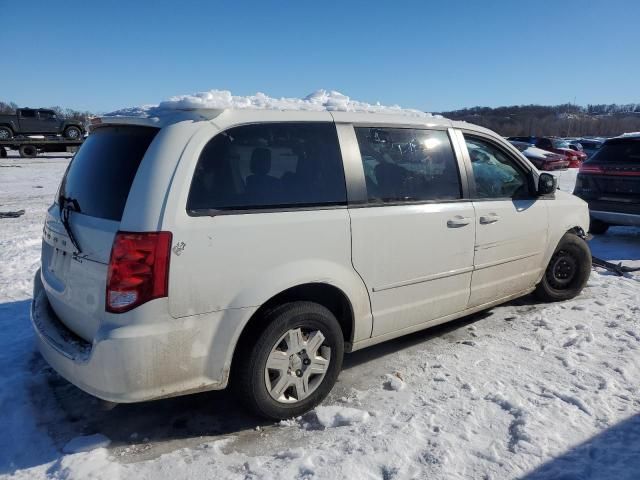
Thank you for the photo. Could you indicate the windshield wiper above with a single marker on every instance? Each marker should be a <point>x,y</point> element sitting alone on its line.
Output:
<point>66,205</point>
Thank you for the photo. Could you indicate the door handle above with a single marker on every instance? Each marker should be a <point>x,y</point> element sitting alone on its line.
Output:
<point>487,219</point>
<point>458,221</point>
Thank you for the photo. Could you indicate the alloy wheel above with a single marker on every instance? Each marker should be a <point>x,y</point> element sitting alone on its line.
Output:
<point>296,365</point>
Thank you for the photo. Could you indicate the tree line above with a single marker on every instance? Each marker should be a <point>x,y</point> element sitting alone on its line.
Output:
<point>565,120</point>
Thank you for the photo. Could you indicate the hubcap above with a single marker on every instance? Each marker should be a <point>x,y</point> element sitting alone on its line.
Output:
<point>563,270</point>
<point>4,134</point>
<point>73,133</point>
<point>296,365</point>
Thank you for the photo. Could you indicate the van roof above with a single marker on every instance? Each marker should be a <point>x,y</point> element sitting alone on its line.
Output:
<point>225,118</point>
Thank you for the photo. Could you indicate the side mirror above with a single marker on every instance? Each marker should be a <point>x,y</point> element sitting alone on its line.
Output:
<point>547,184</point>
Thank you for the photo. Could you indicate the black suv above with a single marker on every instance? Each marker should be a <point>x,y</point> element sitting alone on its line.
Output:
<point>29,121</point>
<point>610,182</point>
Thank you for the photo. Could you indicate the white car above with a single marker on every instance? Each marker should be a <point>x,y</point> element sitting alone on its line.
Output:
<point>204,248</point>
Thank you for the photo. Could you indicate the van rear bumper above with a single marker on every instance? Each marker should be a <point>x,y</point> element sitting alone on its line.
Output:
<point>134,363</point>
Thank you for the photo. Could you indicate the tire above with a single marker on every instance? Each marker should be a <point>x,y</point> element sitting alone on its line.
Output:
<point>6,133</point>
<point>261,389</point>
<point>28,151</point>
<point>598,227</point>
<point>72,133</point>
<point>568,270</point>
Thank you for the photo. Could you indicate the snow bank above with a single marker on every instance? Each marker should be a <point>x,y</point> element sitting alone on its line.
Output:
<point>320,100</point>
<point>394,382</point>
<point>336,416</point>
<point>95,465</point>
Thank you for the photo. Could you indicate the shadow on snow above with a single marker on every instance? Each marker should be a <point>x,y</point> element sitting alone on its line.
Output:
<point>612,454</point>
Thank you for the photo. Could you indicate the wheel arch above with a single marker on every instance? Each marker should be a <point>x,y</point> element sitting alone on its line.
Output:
<point>325,294</point>
<point>578,230</point>
<point>67,126</point>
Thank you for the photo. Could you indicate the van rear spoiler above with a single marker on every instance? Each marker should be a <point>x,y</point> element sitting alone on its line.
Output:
<point>159,118</point>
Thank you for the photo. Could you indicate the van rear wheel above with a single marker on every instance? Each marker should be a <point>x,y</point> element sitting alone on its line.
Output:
<point>293,363</point>
<point>568,270</point>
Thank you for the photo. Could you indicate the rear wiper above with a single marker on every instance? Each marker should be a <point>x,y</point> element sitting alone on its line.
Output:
<point>66,205</point>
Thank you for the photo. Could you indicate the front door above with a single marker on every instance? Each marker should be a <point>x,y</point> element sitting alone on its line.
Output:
<point>48,121</point>
<point>412,240</point>
<point>511,223</point>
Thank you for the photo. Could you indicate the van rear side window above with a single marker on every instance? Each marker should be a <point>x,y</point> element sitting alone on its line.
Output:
<point>271,165</point>
<point>100,175</point>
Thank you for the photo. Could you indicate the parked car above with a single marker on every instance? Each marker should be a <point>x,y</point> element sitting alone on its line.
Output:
<point>542,159</point>
<point>253,248</point>
<point>590,145</point>
<point>610,182</point>
<point>27,121</point>
<point>529,140</point>
<point>574,144</point>
<point>558,145</point>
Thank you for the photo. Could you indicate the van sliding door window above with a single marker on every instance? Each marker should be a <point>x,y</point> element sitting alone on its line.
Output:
<point>269,166</point>
<point>408,165</point>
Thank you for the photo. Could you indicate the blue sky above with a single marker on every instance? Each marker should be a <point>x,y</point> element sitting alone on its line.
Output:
<point>434,55</point>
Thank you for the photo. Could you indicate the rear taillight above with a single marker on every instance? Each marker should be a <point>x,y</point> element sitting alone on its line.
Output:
<point>586,168</point>
<point>615,171</point>
<point>138,269</point>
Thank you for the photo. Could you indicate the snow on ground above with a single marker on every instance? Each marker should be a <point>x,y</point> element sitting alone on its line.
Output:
<point>320,100</point>
<point>523,390</point>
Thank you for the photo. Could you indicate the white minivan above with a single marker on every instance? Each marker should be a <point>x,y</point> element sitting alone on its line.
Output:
<point>204,248</point>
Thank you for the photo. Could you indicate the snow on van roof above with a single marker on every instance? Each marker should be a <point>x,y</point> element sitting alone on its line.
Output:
<point>320,100</point>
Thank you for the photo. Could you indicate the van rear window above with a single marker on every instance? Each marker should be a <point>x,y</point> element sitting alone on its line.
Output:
<point>100,175</point>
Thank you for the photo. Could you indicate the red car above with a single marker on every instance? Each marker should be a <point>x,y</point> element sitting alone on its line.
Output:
<point>542,159</point>
<point>558,145</point>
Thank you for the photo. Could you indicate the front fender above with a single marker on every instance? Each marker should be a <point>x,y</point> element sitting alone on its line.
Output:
<point>566,212</point>
<point>13,125</point>
<point>66,124</point>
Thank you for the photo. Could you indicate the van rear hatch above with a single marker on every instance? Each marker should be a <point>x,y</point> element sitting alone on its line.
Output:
<point>80,226</point>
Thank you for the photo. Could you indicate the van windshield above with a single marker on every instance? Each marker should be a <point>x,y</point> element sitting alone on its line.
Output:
<point>100,175</point>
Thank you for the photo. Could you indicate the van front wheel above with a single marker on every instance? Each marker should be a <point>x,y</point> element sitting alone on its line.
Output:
<point>293,363</point>
<point>568,270</point>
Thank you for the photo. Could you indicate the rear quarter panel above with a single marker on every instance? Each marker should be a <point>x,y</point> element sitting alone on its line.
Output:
<point>235,261</point>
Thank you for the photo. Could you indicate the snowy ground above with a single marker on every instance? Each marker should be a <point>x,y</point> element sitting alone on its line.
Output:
<point>524,390</point>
